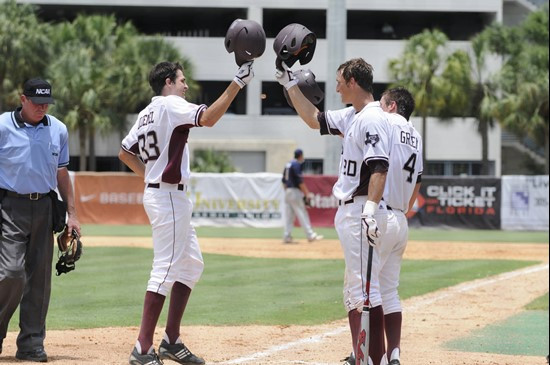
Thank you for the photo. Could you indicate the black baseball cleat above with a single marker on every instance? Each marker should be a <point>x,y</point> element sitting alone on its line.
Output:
<point>38,355</point>
<point>178,352</point>
<point>350,360</point>
<point>144,359</point>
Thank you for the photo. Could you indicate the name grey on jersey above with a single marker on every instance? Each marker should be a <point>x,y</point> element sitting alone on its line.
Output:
<point>407,138</point>
<point>145,120</point>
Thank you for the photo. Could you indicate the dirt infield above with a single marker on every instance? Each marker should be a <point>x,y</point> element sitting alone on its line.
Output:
<point>429,320</point>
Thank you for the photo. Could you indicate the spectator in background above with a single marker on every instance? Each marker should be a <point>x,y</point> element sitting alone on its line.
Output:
<point>296,199</point>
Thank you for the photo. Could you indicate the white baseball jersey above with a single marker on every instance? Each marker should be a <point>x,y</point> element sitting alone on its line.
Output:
<point>160,136</point>
<point>366,135</point>
<point>406,163</point>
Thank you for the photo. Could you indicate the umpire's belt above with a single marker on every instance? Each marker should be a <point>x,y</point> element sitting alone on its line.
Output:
<point>165,186</point>
<point>30,196</point>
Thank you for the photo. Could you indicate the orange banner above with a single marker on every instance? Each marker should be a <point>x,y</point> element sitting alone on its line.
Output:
<point>114,198</point>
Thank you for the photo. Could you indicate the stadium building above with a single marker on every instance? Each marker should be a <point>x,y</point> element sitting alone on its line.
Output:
<point>261,130</point>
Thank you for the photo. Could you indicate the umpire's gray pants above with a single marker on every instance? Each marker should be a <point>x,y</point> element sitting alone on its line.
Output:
<point>26,250</point>
<point>296,208</point>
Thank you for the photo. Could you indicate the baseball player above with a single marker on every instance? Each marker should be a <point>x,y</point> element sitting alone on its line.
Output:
<point>402,186</point>
<point>365,130</point>
<point>156,149</point>
<point>296,194</point>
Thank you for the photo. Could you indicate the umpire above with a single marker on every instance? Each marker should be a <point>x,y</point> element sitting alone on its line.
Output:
<point>34,155</point>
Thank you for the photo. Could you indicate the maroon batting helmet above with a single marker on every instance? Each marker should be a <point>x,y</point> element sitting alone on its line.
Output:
<point>295,43</point>
<point>246,38</point>
<point>308,86</point>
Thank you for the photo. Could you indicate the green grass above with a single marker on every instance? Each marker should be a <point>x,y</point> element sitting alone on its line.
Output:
<point>523,334</point>
<point>423,276</point>
<point>109,283</point>
<point>423,234</point>
<point>541,303</point>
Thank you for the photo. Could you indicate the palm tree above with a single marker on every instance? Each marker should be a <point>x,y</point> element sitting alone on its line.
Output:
<point>483,97</point>
<point>85,50</point>
<point>417,71</point>
<point>211,161</point>
<point>523,79</point>
<point>128,88</point>
<point>25,50</point>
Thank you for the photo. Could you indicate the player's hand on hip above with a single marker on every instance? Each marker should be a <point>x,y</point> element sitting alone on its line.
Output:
<point>284,75</point>
<point>244,74</point>
<point>370,229</point>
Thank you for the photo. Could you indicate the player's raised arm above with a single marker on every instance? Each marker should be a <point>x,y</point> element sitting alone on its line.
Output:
<point>211,115</point>
<point>295,43</point>
<point>246,39</point>
<point>303,106</point>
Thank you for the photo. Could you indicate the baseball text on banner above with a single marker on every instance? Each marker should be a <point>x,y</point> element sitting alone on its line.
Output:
<point>458,202</point>
<point>323,203</point>
<point>525,202</point>
<point>113,198</point>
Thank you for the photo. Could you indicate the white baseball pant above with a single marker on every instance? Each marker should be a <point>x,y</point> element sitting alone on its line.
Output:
<point>177,255</point>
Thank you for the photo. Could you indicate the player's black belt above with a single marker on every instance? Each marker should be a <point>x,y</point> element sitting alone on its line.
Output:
<point>345,202</point>
<point>30,196</point>
<point>388,207</point>
<point>157,186</point>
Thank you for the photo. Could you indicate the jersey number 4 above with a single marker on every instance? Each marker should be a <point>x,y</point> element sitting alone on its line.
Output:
<point>148,148</point>
<point>409,167</point>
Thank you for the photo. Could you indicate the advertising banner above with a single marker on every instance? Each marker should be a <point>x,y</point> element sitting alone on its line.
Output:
<point>113,198</point>
<point>458,202</point>
<point>323,203</point>
<point>231,199</point>
<point>525,202</point>
<point>237,199</point>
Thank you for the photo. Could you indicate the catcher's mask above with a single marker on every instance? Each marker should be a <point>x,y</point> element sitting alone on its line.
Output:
<point>308,86</point>
<point>246,38</point>
<point>294,43</point>
<point>70,250</point>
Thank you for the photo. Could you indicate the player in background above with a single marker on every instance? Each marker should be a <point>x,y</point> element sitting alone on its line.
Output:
<point>296,199</point>
<point>402,186</point>
<point>365,130</point>
<point>156,149</point>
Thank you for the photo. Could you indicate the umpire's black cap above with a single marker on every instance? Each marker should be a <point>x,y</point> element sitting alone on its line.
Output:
<point>38,91</point>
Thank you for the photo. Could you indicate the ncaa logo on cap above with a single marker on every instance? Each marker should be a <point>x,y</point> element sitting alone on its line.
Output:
<point>38,91</point>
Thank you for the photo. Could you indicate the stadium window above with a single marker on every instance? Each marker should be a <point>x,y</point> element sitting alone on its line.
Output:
<point>313,166</point>
<point>276,19</point>
<point>378,89</point>
<point>461,168</point>
<point>211,90</point>
<point>168,21</point>
<point>434,169</point>
<point>459,26</point>
<point>274,101</point>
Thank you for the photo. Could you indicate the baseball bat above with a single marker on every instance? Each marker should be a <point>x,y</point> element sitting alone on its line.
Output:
<point>362,352</point>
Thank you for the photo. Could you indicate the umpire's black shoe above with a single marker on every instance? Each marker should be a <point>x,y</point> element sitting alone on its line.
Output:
<point>38,355</point>
<point>178,352</point>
